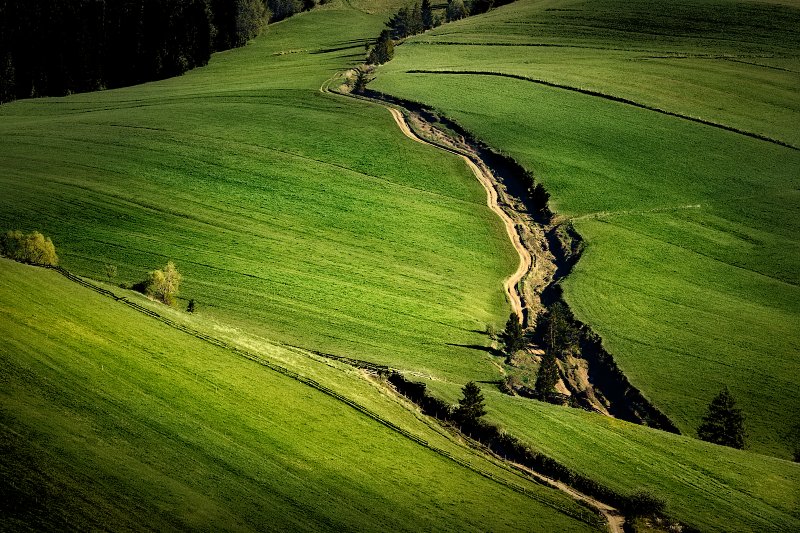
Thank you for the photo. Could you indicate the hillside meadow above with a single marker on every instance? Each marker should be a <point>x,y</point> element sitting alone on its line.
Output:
<point>306,217</point>
<point>112,420</point>
<point>709,487</point>
<point>692,263</point>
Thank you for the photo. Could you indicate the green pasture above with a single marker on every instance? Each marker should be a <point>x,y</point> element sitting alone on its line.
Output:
<point>710,487</point>
<point>112,420</point>
<point>734,63</point>
<point>306,217</point>
<point>692,264</point>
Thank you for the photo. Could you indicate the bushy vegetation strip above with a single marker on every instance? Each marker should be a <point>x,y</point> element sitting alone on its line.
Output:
<point>507,447</point>
<point>514,450</point>
<point>315,385</point>
<point>612,98</point>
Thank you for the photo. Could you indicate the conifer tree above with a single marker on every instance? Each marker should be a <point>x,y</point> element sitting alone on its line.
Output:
<point>456,10</point>
<point>427,15</point>
<point>416,24</point>
<point>556,330</point>
<point>546,377</point>
<point>512,336</point>
<point>383,51</point>
<point>470,407</point>
<point>361,81</point>
<point>724,422</point>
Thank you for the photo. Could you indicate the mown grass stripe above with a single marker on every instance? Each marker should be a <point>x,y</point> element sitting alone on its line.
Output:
<point>612,98</point>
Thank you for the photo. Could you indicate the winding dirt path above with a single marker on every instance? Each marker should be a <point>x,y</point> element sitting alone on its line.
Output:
<point>615,519</point>
<point>485,178</point>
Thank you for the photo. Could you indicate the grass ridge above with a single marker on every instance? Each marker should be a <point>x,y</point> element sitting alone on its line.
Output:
<point>605,96</point>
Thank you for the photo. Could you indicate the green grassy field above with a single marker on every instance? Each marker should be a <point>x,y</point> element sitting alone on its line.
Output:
<point>734,63</point>
<point>710,487</point>
<point>109,419</point>
<point>306,217</point>
<point>693,260</point>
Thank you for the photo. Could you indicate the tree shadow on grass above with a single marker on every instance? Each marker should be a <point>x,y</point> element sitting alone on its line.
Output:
<point>487,349</point>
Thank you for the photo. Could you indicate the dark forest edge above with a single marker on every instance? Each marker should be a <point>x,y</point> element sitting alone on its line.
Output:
<point>59,48</point>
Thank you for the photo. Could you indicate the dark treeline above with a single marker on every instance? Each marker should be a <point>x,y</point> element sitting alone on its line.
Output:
<point>419,17</point>
<point>56,48</point>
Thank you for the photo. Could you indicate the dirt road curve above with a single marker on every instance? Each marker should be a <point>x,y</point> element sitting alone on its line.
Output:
<point>484,177</point>
<point>615,519</point>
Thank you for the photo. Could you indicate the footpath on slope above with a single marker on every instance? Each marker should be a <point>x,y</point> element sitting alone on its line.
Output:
<point>591,377</point>
<point>484,176</point>
<point>613,517</point>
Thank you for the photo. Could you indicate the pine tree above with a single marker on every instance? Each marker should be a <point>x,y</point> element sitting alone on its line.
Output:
<point>456,10</point>
<point>427,15</point>
<point>556,330</point>
<point>383,51</point>
<point>415,22</point>
<point>546,377</point>
<point>512,336</point>
<point>470,407</point>
<point>400,23</point>
<point>361,81</point>
<point>724,422</point>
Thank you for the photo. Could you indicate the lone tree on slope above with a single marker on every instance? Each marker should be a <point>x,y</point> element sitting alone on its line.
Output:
<point>470,407</point>
<point>163,285</point>
<point>724,422</point>
<point>383,51</point>
<point>547,377</point>
<point>557,331</point>
<point>512,336</point>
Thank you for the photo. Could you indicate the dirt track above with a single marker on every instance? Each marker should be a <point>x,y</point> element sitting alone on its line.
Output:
<point>614,518</point>
<point>484,177</point>
<point>612,515</point>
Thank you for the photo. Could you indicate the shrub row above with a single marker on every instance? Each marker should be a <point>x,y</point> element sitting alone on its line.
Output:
<point>33,248</point>
<point>640,503</point>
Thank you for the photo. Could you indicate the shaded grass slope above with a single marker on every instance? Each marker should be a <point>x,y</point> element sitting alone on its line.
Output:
<point>709,487</point>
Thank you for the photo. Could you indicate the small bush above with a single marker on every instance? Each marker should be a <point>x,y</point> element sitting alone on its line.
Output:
<point>162,285</point>
<point>33,248</point>
<point>644,503</point>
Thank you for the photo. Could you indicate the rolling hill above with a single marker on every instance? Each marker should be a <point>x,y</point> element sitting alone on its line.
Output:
<point>305,222</point>
<point>691,272</point>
